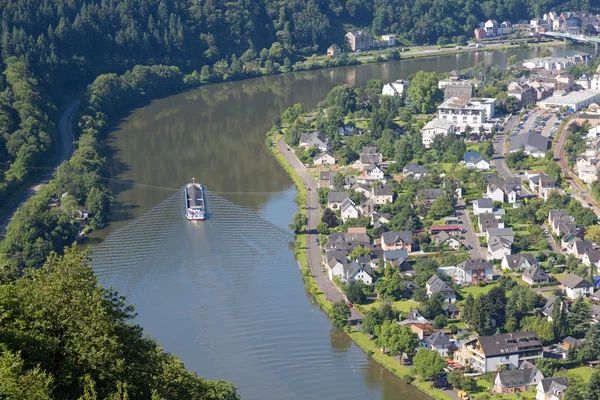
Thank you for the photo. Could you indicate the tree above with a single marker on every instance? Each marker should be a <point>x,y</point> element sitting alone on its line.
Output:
<point>593,233</point>
<point>330,218</point>
<point>391,287</point>
<point>16,382</point>
<point>98,204</point>
<point>398,339</point>
<point>440,321</point>
<point>428,364</point>
<point>593,386</point>
<point>441,207</point>
<point>433,306</point>
<point>355,293</point>
<point>591,344</point>
<point>512,60</point>
<point>488,149</point>
<point>338,182</point>
<point>424,93</point>
<point>459,381</point>
<point>299,221</point>
<point>546,53</point>
<point>339,315</point>
<point>578,318</point>
<point>372,319</point>
<point>323,228</point>
<point>559,318</point>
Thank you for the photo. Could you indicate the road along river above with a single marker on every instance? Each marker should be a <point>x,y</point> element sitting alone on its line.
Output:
<point>226,294</point>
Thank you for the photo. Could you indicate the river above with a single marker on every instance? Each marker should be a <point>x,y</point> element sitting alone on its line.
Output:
<point>226,294</point>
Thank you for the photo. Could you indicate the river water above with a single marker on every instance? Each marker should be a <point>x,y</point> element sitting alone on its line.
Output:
<point>226,294</point>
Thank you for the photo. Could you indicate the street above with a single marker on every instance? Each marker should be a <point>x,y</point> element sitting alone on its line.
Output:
<point>313,251</point>
<point>470,238</point>
<point>64,149</point>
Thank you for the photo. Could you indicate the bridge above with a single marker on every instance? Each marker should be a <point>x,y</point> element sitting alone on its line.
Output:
<point>575,38</point>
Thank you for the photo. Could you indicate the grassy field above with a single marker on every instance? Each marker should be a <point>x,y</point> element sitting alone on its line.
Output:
<point>401,305</point>
<point>583,372</point>
<point>477,290</point>
<point>484,386</point>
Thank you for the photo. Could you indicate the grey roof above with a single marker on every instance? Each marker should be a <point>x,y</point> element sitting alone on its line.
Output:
<point>573,281</point>
<point>443,236</point>
<point>391,255</point>
<point>458,90</point>
<point>312,137</point>
<point>370,149</point>
<point>429,194</point>
<point>437,339</point>
<point>351,268</point>
<point>556,213</point>
<point>451,307</point>
<point>529,139</point>
<point>370,158</point>
<point>594,256</point>
<point>547,181</point>
<point>570,340</point>
<point>472,264</point>
<point>554,385</point>
<point>337,197</point>
<point>348,203</point>
<point>516,377</point>
<point>500,232</point>
<point>509,343</point>
<point>516,260</point>
<point>437,285</point>
<point>383,190</point>
<point>582,246</point>
<point>535,272</point>
<point>487,220</point>
<point>484,203</point>
<point>347,241</point>
<point>548,307</point>
<point>393,237</point>
<point>499,242</point>
<point>326,175</point>
<point>414,169</point>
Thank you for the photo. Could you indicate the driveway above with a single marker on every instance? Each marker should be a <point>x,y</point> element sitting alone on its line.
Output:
<point>64,149</point>
<point>313,251</point>
<point>470,238</point>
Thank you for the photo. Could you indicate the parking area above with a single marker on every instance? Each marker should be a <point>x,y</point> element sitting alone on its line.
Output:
<point>541,122</point>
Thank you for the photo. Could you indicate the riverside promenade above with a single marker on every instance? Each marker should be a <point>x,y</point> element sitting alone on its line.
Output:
<point>313,250</point>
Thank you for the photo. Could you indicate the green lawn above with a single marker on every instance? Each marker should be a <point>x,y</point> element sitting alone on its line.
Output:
<point>477,290</point>
<point>584,372</point>
<point>401,305</point>
<point>484,386</point>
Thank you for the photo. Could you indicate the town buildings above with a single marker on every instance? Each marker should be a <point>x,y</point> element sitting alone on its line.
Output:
<point>396,88</point>
<point>436,127</point>
<point>463,113</point>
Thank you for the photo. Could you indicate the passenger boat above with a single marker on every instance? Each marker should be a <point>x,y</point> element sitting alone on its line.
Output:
<point>195,207</point>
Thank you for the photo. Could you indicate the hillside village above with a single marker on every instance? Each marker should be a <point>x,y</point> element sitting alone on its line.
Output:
<point>446,218</point>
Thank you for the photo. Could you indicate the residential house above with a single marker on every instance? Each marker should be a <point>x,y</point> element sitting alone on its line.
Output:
<point>422,331</point>
<point>542,185</point>
<point>518,261</point>
<point>570,342</point>
<point>434,128</point>
<point>595,296</point>
<point>579,247</point>
<point>556,218</point>
<point>336,199</point>
<point>548,308</point>
<point>451,310</point>
<point>523,92</point>
<point>584,82</point>
<point>505,233</point>
<point>379,219</point>
<point>444,238</point>
<point>436,285</point>
<point>396,88</point>
<point>450,229</point>
<point>369,156</point>
<point>350,210</point>
<point>347,241</point>
<point>350,128</point>
<point>474,160</point>
<point>428,196</point>
<point>531,143</point>
<point>382,194</point>
<point>324,158</point>
<point>359,40</point>
<point>362,188</point>
<point>314,139</point>
<point>397,241</point>
<point>535,275</point>
<point>517,380</point>
<point>396,258</point>
<point>487,221</point>
<point>325,178</point>
<point>373,172</point>
<point>498,247</point>
<point>481,206</point>
<point>479,33</point>
<point>491,353</point>
<point>439,342</point>
<point>414,170</point>
<point>575,286</point>
<point>473,271</point>
<point>586,168</point>
<point>591,258</point>
<point>551,389</point>
<point>507,191</point>
<point>349,271</point>
<point>333,51</point>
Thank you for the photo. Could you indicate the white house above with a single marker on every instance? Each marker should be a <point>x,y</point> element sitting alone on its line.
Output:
<point>531,143</point>
<point>495,192</point>
<point>435,128</point>
<point>575,286</point>
<point>324,158</point>
<point>336,199</point>
<point>551,389</point>
<point>349,271</point>
<point>591,258</point>
<point>445,239</point>
<point>414,170</point>
<point>498,248</point>
<point>467,112</point>
<point>382,194</point>
<point>436,285</point>
<point>396,88</point>
<point>518,261</point>
<point>372,171</point>
<point>481,206</point>
<point>474,160</point>
<point>316,139</point>
<point>439,342</point>
<point>350,210</point>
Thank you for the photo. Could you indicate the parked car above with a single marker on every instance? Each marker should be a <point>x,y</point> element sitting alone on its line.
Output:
<point>470,247</point>
<point>349,304</point>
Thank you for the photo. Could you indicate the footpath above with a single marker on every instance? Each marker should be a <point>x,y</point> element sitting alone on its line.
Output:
<point>313,250</point>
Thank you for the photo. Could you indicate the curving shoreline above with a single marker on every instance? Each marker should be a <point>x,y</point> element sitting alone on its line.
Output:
<point>318,284</point>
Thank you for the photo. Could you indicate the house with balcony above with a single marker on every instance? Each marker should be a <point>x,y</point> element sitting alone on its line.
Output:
<point>397,241</point>
<point>491,353</point>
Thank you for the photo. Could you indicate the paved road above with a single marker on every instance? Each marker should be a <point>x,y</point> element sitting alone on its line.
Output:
<point>313,252</point>
<point>498,159</point>
<point>583,196</point>
<point>64,149</point>
<point>470,238</point>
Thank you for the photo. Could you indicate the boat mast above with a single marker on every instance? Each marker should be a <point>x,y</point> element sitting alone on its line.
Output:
<point>193,180</point>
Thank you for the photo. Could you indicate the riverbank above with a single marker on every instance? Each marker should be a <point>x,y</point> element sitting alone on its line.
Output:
<point>316,283</point>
